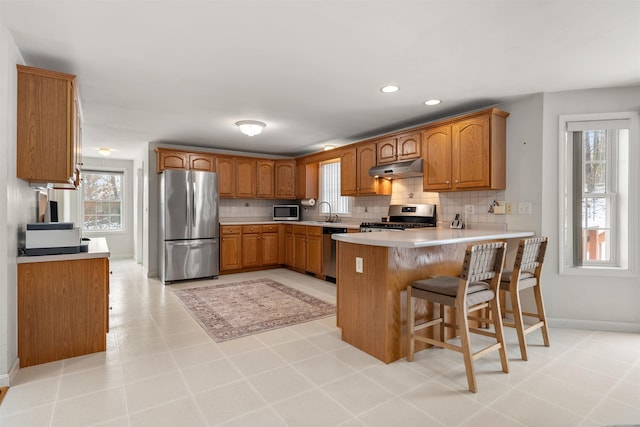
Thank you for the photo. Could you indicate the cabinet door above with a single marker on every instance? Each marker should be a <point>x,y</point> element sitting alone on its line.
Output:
<point>299,248</point>
<point>367,185</point>
<point>226,176</point>
<point>168,159</point>
<point>269,248</point>
<point>471,153</point>
<point>437,159</point>
<point>348,180</point>
<point>245,178</point>
<point>409,146</point>
<point>46,140</point>
<point>306,180</point>
<point>289,249</point>
<point>231,252</point>
<point>265,179</point>
<point>202,162</point>
<point>250,249</point>
<point>285,179</point>
<point>387,150</point>
<point>314,253</point>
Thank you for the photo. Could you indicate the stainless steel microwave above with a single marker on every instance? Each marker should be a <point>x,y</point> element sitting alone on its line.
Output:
<point>286,212</point>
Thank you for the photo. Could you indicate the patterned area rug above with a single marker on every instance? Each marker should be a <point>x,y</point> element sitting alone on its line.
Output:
<point>235,310</point>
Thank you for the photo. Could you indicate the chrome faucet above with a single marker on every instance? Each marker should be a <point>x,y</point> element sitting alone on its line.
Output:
<point>330,217</point>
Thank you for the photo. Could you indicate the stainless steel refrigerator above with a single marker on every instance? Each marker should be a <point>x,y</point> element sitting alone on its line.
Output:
<point>189,225</point>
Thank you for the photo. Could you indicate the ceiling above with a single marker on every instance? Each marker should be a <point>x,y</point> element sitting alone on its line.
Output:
<point>185,71</point>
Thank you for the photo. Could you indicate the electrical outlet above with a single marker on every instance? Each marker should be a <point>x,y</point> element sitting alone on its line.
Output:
<point>469,209</point>
<point>359,265</point>
<point>524,208</point>
<point>508,208</point>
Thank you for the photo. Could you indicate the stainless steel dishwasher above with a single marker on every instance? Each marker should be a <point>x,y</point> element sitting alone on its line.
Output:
<point>329,252</point>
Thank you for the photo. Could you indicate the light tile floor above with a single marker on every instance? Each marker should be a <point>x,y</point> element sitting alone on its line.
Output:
<point>161,369</point>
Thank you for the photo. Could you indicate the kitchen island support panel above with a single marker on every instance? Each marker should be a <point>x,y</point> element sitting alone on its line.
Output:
<point>62,309</point>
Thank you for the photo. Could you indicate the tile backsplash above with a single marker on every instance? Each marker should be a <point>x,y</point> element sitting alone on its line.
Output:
<point>373,208</point>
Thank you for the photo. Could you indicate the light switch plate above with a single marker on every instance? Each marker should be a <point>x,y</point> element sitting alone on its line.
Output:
<point>359,265</point>
<point>469,209</point>
<point>524,208</point>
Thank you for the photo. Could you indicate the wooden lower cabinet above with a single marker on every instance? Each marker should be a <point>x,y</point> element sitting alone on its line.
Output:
<point>289,253</point>
<point>63,309</point>
<point>230,248</point>
<point>307,248</point>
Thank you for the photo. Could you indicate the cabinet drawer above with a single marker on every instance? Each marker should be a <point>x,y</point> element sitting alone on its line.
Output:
<point>299,229</point>
<point>250,228</point>
<point>314,231</point>
<point>230,229</point>
<point>271,228</point>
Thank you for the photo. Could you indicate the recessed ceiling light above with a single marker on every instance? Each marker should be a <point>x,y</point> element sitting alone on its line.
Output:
<point>390,89</point>
<point>432,102</point>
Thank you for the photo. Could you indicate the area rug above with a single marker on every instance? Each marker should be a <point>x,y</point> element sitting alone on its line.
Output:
<point>235,310</point>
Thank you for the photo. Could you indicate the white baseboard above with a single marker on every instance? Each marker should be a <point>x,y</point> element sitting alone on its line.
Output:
<point>7,379</point>
<point>594,325</point>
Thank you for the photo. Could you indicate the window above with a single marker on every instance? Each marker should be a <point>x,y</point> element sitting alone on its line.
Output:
<point>596,196</point>
<point>330,189</point>
<point>102,200</point>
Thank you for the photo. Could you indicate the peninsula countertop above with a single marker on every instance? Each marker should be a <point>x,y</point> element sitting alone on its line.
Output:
<point>425,237</point>
<point>98,248</point>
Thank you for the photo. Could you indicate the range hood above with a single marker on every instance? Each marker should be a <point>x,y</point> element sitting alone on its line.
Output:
<point>404,169</point>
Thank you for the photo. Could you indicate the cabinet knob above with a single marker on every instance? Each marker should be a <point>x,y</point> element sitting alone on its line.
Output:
<point>447,182</point>
<point>456,181</point>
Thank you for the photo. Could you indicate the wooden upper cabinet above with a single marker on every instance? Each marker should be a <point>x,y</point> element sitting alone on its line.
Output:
<point>348,172</point>
<point>355,163</point>
<point>285,183</point>
<point>306,180</point>
<point>467,154</point>
<point>202,162</point>
<point>245,178</point>
<point>171,159</point>
<point>265,187</point>
<point>366,159</point>
<point>410,146</point>
<point>387,150</point>
<point>397,148</point>
<point>470,140</point>
<point>226,168</point>
<point>48,127</point>
<point>437,159</point>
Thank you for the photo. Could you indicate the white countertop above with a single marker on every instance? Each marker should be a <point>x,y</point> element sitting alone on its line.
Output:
<point>98,248</point>
<point>313,223</point>
<point>420,238</point>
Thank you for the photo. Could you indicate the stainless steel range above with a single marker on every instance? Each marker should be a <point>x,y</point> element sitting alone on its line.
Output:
<point>402,217</point>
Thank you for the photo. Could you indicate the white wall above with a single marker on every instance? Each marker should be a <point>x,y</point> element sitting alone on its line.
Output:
<point>595,300</point>
<point>121,244</point>
<point>17,206</point>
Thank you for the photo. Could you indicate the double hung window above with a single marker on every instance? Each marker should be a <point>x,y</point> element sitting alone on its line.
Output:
<point>102,200</point>
<point>596,193</point>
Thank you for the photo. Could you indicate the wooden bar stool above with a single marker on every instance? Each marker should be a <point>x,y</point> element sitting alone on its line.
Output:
<point>475,289</point>
<point>526,274</point>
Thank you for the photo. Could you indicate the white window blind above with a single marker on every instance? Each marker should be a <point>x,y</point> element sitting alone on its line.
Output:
<point>330,189</point>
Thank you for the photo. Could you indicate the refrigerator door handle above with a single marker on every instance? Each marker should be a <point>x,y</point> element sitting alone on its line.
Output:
<point>193,203</point>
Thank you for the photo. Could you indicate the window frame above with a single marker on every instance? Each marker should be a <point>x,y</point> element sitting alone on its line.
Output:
<point>567,219</point>
<point>123,217</point>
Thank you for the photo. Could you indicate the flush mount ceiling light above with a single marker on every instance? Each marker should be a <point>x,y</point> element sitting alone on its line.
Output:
<point>432,102</point>
<point>104,151</point>
<point>390,89</point>
<point>329,147</point>
<point>250,127</point>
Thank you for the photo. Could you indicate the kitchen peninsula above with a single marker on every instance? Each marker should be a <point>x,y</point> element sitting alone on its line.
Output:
<point>374,270</point>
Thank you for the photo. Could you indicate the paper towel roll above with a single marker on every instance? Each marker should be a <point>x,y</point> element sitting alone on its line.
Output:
<point>308,202</point>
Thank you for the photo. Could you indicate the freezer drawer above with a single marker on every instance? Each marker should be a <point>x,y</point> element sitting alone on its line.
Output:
<point>190,259</point>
